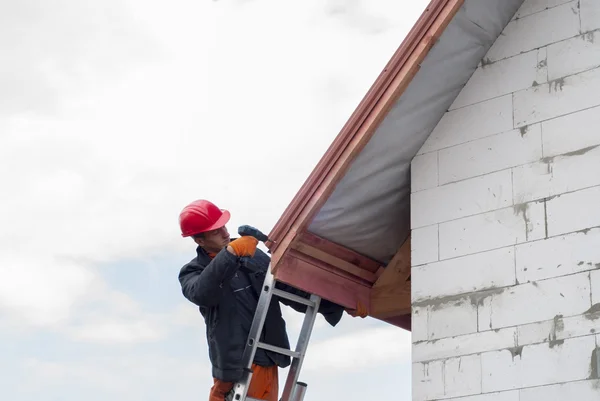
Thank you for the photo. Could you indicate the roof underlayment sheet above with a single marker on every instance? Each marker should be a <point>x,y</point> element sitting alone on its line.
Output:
<point>369,210</point>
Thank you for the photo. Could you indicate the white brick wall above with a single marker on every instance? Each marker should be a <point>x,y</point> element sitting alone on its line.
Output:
<point>586,50</point>
<point>574,211</point>
<point>557,98</point>
<point>428,381</point>
<point>425,171</point>
<point>462,376</point>
<point>595,279</point>
<point>491,117</point>
<point>535,301</point>
<point>559,328</point>
<point>537,365</point>
<point>477,157</point>
<point>505,211</point>
<point>537,30</point>
<point>556,175</point>
<point>451,319</point>
<point>499,228</point>
<point>424,245</point>
<point>480,271</point>
<point>452,347</point>
<point>535,6</point>
<point>450,202</point>
<point>558,256</point>
<point>571,133</point>
<point>505,76</point>
<point>590,15</point>
<point>581,391</point>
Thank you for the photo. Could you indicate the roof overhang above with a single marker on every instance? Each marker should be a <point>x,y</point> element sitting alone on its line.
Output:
<point>346,234</point>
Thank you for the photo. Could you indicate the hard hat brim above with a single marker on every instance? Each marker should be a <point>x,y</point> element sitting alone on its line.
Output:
<point>224,219</point>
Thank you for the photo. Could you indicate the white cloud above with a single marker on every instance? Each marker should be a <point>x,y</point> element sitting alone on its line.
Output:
<point>129,376</point>
<point>66,297</point>
<point>121,332</point>
<point>115,318</point>
<point>65,48</point>
<point>42,292</point>
<point>186,314</point>
<point>374,346</point>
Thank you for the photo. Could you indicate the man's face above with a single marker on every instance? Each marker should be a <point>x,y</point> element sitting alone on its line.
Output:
<point>214,240</point>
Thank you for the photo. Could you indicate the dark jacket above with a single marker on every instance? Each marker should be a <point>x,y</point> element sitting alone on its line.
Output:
<point>227,296</point>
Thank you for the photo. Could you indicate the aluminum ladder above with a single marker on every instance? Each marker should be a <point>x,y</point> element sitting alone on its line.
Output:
<point>293,390</point>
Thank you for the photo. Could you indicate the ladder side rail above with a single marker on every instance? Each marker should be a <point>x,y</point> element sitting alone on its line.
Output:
<point>241,387</point>
<point>299,392</point>
<point>301,347</point>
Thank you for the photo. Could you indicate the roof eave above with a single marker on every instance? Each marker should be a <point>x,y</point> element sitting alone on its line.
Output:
<point>322,267</point>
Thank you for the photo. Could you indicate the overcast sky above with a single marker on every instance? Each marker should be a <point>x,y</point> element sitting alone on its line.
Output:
<point>113,116</point>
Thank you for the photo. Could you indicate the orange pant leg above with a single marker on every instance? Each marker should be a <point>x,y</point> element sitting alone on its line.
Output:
<point>219,389</point>
<point>265,383</point>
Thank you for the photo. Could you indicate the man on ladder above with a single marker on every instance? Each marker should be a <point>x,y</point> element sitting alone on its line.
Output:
<point>225,280</point>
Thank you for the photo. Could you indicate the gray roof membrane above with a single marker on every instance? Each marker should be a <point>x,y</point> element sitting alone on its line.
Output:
<point>369,211</point>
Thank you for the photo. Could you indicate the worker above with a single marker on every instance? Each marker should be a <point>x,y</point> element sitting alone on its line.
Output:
<point>227,297</point>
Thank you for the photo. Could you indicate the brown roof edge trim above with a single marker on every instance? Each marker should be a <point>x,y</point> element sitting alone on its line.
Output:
<point>437,9</point>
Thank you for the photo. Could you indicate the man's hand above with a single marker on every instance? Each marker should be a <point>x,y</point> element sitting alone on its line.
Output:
<point>360,310</point>
<point>243,246</point>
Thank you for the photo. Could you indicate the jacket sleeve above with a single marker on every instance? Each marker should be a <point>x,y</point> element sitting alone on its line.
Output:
<point>203,286</point>
<point>332,312</point>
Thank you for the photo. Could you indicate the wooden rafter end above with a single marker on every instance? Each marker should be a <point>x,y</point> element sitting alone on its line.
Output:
<point>390,295</point>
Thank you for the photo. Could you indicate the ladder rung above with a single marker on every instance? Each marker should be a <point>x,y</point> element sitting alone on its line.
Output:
<point>279,350</point>
<point>293,297</point>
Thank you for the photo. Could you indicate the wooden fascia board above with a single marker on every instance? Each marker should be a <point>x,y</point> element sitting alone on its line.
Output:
<point>339,251</point>
<point>332,257</point>
<point>330,268</point>
<point>307,275</point>
<point>334,261</point>
<point>356,133</point>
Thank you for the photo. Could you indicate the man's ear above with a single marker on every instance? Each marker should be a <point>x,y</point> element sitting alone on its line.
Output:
<point>199,241</point>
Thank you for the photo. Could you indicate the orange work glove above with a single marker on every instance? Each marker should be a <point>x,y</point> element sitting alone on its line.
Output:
<point>244,246</point>
<point>360,310</point>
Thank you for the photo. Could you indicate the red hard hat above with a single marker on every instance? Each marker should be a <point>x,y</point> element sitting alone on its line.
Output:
<point>201,216</point>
